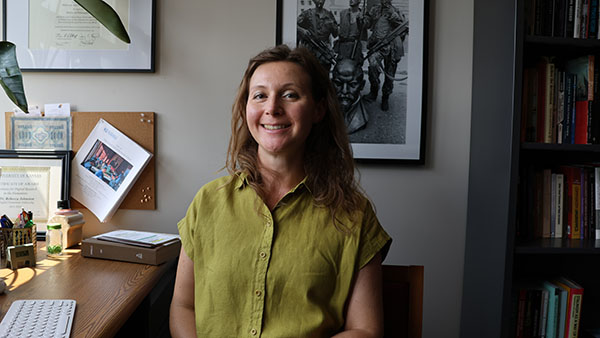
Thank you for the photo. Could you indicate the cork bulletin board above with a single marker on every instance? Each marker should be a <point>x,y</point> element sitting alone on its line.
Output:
<point>139,126</point>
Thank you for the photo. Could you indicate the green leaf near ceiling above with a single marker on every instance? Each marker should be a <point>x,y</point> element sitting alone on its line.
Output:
<point>11,79</point>
<point>107,16</point>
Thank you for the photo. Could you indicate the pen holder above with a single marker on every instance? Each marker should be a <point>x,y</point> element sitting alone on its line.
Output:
<point>13,237</point>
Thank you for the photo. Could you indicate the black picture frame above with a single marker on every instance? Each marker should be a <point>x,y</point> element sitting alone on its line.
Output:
<point>397,135</point>
<point>59,46</point>
<point>58,163</point>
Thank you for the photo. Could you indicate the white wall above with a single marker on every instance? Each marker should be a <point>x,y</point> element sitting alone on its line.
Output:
<point>202,49</point>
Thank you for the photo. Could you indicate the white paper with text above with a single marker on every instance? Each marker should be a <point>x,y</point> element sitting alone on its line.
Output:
<point>105,168</point>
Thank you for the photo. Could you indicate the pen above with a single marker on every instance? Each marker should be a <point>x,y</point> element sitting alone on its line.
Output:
<point>5,222</point>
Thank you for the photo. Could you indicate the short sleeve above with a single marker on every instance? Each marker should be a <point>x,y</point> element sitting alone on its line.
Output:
<point>187,227</point>
<point>373,238</point>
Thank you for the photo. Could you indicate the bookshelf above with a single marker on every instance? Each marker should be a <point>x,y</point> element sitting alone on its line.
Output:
<point>496,260</point>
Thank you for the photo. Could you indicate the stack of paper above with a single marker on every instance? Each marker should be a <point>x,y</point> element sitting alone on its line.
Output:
<point>138,238</point>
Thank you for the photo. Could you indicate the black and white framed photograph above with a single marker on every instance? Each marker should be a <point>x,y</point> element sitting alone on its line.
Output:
<point>59,35</point>
<point>34,181</point>
<point>375,51</point>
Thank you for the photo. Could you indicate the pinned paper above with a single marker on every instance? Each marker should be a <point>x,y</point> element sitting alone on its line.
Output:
<point>57,109</point>
<point>34,110</point>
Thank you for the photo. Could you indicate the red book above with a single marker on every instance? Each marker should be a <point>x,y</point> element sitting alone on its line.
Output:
<point>574,299</point>
<point>581,121</point>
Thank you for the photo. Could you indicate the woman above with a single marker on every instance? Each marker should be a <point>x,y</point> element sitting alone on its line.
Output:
<point>286,245</point>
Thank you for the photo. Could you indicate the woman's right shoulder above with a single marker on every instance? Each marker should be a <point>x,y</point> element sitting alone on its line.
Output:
<point>218,186</point>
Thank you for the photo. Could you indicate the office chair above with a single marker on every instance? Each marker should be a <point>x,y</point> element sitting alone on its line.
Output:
<point>402,301</point>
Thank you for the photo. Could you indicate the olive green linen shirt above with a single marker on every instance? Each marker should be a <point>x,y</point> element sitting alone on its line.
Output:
<point>281,273</point>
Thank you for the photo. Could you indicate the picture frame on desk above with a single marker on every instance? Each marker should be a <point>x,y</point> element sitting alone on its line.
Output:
<point>61,36</point>
<point>34,180</point>
<point>395,134</point>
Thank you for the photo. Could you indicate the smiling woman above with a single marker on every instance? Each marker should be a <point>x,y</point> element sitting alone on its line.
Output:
<point>281,111</point>
<point>286,245</point>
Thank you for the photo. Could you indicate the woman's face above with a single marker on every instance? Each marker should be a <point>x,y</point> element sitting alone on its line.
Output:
<point>281,110</point>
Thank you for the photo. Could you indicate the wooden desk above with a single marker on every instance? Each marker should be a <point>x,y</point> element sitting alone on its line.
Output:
<point>107,292</point>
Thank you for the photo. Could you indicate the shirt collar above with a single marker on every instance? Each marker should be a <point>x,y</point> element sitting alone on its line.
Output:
<point>242,181</point>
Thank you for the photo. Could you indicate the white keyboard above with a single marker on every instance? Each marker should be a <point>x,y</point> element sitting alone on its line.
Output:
<point>38,318</point>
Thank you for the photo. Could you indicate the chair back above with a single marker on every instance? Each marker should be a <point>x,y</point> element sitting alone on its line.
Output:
<point>402,301</point>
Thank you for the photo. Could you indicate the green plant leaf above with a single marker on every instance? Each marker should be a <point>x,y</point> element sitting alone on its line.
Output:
<point>11,79</point>
<point>107,16</point>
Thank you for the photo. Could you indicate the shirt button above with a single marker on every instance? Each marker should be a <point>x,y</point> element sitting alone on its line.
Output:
<point>253,332</point>
<point>262,254</point>
<point>257,293</point>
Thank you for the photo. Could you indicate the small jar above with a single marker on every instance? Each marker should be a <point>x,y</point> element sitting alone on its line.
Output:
<point>54,242</point>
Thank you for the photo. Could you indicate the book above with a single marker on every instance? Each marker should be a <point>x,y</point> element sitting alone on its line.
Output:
<point>583,68</point>
<point>569,173</point>
<point>562,312</point>
<point>584,21</point>
<point>542,78</point>
<point>553,207</point>
<point>574,300</point>
<point>591,203</point>
<point>95,248</point>
<point>583,217</point>
<point>593,20</point>
<point>577,19</point>
<point>543,312</point>
<point>553,310</point>
<point>569,118</point>
<point>560,189</point>
<point>549,112</point>
<point>521,306</point>
<point>531,88</point>
<point>594,124</point>
<point>560,17</point>
<point>576,204</point>
<point>570,19</point>
<point>546,203</point>
<point>560,105</point>
<point>597,201</point>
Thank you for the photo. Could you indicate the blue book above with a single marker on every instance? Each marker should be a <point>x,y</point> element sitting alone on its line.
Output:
<point>553,303</point>
<point>562,311</point>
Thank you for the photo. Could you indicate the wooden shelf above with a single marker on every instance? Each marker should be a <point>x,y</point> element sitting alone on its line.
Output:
<point>557,42</point>
<point>550,246</point>
<point>582,148</point>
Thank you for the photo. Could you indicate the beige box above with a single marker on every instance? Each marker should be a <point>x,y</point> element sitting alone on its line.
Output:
<point>96,248</point>
<point>72,234</point>
<point>71,227</point>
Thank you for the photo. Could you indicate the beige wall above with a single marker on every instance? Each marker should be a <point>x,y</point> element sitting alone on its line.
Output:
<point>202,49</point>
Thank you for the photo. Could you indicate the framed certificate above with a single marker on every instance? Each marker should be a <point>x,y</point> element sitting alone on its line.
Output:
<point>62,36</point>
<point>34,181</point>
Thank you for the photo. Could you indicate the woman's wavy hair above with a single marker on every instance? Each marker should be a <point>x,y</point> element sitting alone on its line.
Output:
<point>328,160</point>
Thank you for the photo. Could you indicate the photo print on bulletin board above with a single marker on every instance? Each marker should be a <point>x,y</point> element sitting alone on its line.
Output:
<point>62,36</point>
<point>376,52</point>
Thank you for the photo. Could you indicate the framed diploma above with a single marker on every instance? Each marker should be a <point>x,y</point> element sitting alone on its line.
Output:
<point>60,35</point>
<point>34,181</point>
